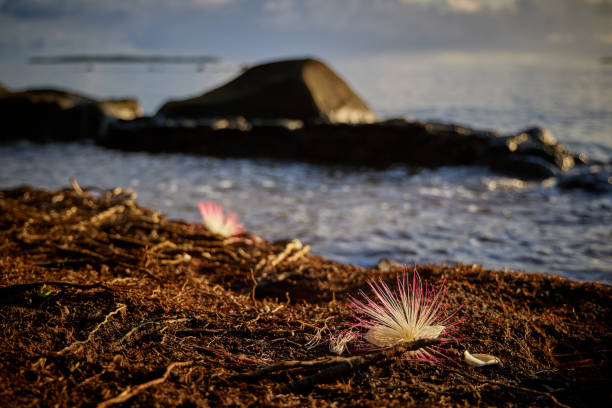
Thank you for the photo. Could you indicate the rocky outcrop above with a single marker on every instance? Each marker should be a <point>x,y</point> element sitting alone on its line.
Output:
<point>304,89</point>
<point>538,142</point>
<point>293,110</point>
<point>596,178</point>
<point>50,115</point>
<point>3,91</point>
<point>125,109</point>
<point>380,144</point>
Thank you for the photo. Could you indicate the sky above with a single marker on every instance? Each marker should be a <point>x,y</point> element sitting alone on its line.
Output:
<point>259,29</point>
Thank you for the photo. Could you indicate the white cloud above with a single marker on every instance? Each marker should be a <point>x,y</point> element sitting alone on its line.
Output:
<point>305,26</point>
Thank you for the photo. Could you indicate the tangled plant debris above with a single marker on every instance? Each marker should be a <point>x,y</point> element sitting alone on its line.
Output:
<point>129,320</point>
<point>338,344</point>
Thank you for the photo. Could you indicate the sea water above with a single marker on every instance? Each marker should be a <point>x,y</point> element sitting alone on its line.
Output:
<point>360,215</point>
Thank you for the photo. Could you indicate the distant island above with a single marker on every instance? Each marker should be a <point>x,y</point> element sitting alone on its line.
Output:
<point>123,58</point>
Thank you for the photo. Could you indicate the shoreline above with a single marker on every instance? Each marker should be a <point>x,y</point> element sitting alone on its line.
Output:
<point>167,313</point>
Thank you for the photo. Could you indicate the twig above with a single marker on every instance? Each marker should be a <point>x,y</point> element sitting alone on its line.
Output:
<point>129,392</point>
<point>294,244</point>
<point>154,323</point>
<point>254,287</point>
<point>340,365</point>
<point>127,240</point>
<point>516,387</point>
<point>75,185</point>
<point>162,245</point>
<point>273,260</point>
<point>191,332</point>
<point>299,254</point>
<point>91,334</point>
<point>254,375</point>
<point>62,262</point>
<point>21,287</point>
<point>351,364</point>
<point>99,218</point>
<point>10,292</point>
<point>80,251</point>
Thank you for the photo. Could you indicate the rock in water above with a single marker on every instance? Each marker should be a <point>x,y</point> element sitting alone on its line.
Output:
<point>3,91</point>
<point>50,115</point>
<point>304,89</point>
<point>125,109</point>
<point>594,179</point>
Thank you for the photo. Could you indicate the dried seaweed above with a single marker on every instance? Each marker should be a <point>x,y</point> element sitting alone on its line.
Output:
<point>104,301</point>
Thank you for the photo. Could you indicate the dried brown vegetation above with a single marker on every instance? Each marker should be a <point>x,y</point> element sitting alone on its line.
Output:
<point>103,302</point>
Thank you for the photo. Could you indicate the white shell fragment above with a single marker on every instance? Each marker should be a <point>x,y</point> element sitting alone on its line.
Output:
<point>479,360</point>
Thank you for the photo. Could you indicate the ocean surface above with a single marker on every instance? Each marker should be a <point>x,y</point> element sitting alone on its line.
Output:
<point>359,215</point>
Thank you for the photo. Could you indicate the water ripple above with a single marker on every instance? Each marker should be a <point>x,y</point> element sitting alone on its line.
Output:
<point>358,216</point>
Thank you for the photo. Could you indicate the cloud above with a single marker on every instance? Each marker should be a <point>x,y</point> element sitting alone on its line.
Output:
<point>476,6</point>
<point>58,8</point>
<point>560,38</point>
<point>298,27</point>
<point>604,38</point>
<point>597,1</point>
<point>466,6</point>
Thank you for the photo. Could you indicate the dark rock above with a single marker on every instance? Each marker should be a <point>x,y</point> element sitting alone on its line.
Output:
<point>3,91</point>
<point>527,167</point>
<point>594,179</point>
<point>125,109</point>
<point>368,144</point>
<point>542,136</point>
<point>48,114</point>
<point>530,144</point>
<point>304,89</point>
<point>378,145</point>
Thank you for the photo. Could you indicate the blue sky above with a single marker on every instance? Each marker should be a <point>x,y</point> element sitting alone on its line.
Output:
<point>260,29</point>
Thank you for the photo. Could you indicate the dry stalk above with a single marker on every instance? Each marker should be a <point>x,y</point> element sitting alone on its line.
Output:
<point>98,219</point>
<point>91,334</point>
<point>299,254</point>
<point>22,287</point>
<point>516,387</point>
<point>273,260</point>
<point>129,392</point>
<point>76,187</point>
<point>254,287</point>
<point>154,323</point>
<point>336,366</point>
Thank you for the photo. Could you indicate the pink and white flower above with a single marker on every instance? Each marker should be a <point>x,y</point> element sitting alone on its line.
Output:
<point>338,343</point>
<point>411,312</point>
<point>216,222</point>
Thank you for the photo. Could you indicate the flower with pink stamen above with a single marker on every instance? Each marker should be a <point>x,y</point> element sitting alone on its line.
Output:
<point>411,312</point>
<point>216,222</point>
<point>338,343</point>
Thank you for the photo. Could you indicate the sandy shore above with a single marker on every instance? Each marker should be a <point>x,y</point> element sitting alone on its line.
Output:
<point>104,302</point>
